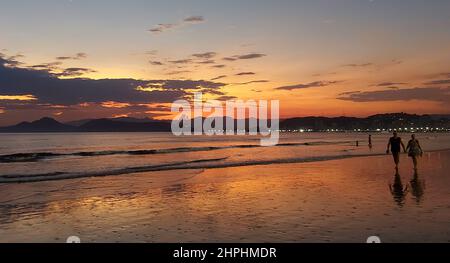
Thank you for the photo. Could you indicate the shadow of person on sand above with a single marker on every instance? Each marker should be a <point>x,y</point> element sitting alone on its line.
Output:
<point>398,190</point>
<point>417,187</point>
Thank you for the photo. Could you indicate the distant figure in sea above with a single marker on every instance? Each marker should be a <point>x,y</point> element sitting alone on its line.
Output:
<point>414,150</point>
<point>394,145</point>
<point>370,141</point>
<point>397,189</point>
<point>357,143</point>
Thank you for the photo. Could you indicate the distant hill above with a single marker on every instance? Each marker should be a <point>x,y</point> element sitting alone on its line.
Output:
<point>321,123</point>
<point>42,125</point>
<point>113,125</point>
<point>96,125</point>
<point>79,123</point>
<point>135,120</point>
<point>375,122</point>
<point>440,116</point>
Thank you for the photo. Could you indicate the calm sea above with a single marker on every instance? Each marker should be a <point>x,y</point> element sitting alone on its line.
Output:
<point>58,156</point>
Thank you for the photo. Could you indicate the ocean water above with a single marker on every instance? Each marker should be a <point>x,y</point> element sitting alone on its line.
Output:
<point>146,193</point>
<point>59,156</point>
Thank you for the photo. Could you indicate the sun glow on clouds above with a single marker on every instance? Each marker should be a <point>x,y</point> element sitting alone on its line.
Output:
<point>153,87</point>
<point>114,104</point>
<point>84,105</point>
<point>120,116</point>
<point>18,97</point>
<point>58,107</point>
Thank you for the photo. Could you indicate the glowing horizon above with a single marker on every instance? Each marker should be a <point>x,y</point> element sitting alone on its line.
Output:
<point>319,58</point>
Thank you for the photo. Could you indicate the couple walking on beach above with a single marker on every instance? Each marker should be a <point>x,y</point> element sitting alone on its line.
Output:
<point>413,148</point>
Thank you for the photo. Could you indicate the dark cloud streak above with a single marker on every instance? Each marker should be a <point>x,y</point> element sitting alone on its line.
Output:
<point>77,56</point>
<point>358,65</point>
<point>194,19</point>
<point>424,94</point>
<point>206,55</point>
<point>219,77</point>
<point>438,82</point>
<point>163,27</point>
<point>386,84</point>
<point>244,57</point>
<point>245,73</point>
<point>315,84</point>
<point>252,82</point>
<point>156,63</point>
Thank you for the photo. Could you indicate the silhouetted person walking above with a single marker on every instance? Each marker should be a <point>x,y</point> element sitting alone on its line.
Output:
<point>414,150</point>
<point>394,145</point>
<point>370,141</point>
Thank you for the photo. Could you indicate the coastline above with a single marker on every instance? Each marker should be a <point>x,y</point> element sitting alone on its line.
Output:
<point>179,166</point>
<point>343,200</point>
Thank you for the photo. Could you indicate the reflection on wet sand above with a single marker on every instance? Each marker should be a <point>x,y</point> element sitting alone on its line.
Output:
<point>398,190</point>
<point>314,202</point>
<point>417,187</point>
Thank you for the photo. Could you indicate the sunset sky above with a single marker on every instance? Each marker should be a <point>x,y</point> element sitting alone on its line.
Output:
<point>78,59</point>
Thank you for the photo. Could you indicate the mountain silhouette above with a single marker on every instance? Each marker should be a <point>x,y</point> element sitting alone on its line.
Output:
<point>42,125</point>
<point>126,124</point>
<point>374,122</point>
<point>112,125</point>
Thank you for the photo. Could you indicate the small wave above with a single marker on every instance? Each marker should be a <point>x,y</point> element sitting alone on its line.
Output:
<point>195,164</point>
<point>13,176</point>
<point>26,157</point>
<point>34,157</point>
<point>17,178</point>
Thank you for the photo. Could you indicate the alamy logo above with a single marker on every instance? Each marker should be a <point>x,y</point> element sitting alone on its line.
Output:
<point>232,117</point>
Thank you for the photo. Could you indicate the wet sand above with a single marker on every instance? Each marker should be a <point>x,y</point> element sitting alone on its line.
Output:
<point>329,201</point>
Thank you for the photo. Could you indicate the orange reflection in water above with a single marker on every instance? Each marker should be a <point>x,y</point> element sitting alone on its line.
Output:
<point>341,200</point>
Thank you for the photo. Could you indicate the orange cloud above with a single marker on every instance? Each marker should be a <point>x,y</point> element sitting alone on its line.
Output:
<point>58,107</point>
<point>84,104</point>
<point>120,116</point>
<point>114,104</point>
<point>18,97</point>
